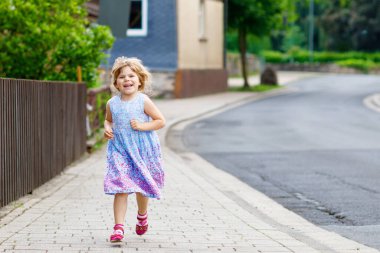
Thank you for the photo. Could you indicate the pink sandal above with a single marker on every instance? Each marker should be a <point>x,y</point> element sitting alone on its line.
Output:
<point>142,223</point>
<point>118,233</point>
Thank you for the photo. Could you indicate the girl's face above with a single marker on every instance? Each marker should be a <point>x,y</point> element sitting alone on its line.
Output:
<point>127,82</point>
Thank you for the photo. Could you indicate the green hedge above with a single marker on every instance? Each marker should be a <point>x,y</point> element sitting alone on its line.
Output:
<point>302,56</point>
<point>363,65</point>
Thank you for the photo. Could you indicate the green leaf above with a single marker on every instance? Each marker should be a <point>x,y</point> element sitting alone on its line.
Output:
<point>47,40</point>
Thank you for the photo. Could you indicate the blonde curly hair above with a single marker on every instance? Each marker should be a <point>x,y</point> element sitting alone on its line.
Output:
<point>136,66</point>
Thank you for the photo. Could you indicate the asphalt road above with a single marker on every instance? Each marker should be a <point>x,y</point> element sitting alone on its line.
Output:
<point>316,152</point>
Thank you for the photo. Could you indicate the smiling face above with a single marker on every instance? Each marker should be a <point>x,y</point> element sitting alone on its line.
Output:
<point>127,82</point>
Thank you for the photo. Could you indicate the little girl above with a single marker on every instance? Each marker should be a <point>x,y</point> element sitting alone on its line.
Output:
<point>134,162</point>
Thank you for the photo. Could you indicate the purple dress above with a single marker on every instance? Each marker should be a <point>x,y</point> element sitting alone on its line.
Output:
<point>134,161</point>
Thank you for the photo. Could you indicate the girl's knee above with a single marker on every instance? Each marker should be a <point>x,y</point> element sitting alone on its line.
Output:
<point>121,195</point>
<point>139,195</point>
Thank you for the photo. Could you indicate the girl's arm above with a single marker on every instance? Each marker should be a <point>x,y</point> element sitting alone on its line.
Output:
<point>158,120</point>
<point>108,133</point>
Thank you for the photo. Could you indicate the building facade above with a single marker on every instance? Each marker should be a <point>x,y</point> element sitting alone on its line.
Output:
<point>180,41</point>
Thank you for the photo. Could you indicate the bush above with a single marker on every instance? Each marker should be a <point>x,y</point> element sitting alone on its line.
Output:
<point>47,40</point>
<point>301,56</point>
<point>375,57</point>
<point>363,65</point>
<point>274,57</point>
<point>297,55</point>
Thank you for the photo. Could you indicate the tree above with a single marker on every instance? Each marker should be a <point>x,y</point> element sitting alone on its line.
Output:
<point>352,24</point>
<point>295,26</point>
<point>366,23</point>
<point>256,17</point>
<point>47,40</point>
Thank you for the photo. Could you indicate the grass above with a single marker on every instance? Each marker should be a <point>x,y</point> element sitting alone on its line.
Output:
<point>17,204</point>
<point>255,88</point>
<point>251,73</point>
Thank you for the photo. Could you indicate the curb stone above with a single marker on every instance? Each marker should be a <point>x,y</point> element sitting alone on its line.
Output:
<point>373,102</point>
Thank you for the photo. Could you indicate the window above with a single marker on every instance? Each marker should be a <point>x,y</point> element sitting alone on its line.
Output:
<point>202,20</point>
<point>138,18</point>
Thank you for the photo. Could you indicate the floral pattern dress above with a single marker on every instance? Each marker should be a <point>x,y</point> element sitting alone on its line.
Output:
<point>134,160</point>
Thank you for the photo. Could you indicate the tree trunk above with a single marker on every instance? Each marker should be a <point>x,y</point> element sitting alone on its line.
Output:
<point>243,52</point>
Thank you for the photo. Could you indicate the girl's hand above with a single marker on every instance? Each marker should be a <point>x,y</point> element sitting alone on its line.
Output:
<point>135,124</point>
<point>108,133</point>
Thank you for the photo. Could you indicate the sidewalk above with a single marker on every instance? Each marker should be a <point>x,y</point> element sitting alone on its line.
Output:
<point>203,210</point>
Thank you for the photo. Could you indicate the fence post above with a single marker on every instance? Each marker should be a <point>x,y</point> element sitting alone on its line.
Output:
<point>79,74</point>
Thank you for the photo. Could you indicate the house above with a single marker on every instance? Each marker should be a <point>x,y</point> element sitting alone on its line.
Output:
<point>181,42</point>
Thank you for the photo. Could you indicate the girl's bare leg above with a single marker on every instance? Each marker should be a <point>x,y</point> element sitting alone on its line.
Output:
<point>120,207</point>
<point>142,203</point>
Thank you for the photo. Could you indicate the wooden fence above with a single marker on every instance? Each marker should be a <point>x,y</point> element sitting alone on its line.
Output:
<point>42,130</point>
